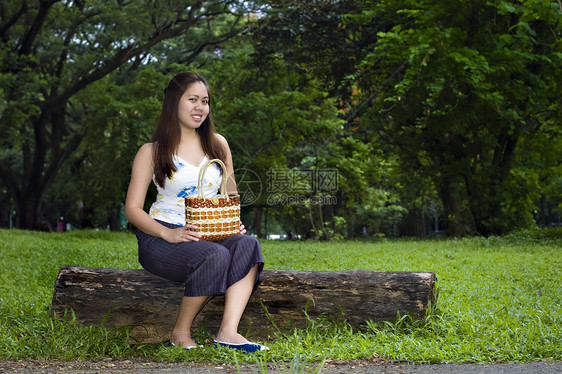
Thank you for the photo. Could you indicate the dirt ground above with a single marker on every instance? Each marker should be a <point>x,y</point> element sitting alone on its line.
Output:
<point>122,366</point>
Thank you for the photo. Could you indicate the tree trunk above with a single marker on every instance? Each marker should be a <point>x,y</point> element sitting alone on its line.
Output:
<point>114,221</point>
<point>28,211</point>
<point>456,223</point>
<point>486,197</point>
<point>283,300</point>
<point>257,221</point>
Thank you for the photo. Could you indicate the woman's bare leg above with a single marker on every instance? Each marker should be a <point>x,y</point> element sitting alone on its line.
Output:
<point>235,301</point>
<point>190,307</point>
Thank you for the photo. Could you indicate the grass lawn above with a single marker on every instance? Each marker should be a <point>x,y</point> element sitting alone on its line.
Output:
<point>500,300</point>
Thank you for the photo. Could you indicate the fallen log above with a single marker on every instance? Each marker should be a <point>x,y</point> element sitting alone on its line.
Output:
<point>127,297</point>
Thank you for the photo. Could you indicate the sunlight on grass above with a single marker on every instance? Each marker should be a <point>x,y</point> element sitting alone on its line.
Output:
<point>500,300</point>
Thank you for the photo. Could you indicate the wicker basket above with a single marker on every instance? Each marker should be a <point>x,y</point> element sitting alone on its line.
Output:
<point>217,217</point>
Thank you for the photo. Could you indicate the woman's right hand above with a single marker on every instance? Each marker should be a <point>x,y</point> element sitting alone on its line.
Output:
<point>182,234</point>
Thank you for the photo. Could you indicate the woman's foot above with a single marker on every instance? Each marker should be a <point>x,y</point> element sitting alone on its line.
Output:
<point>183,340</point>
<point>232,338</point>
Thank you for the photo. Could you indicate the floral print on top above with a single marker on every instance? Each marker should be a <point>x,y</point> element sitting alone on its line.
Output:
<point>170,204</point>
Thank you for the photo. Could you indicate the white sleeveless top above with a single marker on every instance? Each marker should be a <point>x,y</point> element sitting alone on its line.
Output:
<point>170,204</point>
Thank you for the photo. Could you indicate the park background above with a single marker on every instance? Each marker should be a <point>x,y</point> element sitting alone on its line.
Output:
<point>435,117</point>
<point>363,121</point>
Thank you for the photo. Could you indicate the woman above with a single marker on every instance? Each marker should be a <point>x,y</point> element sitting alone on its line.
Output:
<point>183,141</point>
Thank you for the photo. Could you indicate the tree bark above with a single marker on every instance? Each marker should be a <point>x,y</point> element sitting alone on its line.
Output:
<point>282,302</point>
<point>457,225</point>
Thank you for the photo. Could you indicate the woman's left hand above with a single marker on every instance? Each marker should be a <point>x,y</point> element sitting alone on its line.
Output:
<point>242,228</point>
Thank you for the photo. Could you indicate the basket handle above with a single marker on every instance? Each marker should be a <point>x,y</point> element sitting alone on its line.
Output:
<point>222,189</point>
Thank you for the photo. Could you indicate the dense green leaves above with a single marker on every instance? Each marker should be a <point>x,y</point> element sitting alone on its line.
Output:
<point>432,113</point>
<point>452,89</point>
<point>53,53</point>
<point>475,83</point>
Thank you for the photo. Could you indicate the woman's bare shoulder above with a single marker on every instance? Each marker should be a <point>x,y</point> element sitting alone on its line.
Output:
<point>221,138</point>
<point>146,150</point>
<point>147,147</point>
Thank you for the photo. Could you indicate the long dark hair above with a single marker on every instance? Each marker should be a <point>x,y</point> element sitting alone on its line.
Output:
<point>167,135</point>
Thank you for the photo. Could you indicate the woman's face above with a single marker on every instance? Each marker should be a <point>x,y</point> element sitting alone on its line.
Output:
<point>193,107</point>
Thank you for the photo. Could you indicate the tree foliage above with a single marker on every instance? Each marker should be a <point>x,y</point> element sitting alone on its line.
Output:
<point>424,109</point>
<point>452,88</point>
<point>475,79</point>
<point>277,125</point>
<point>53,52</point>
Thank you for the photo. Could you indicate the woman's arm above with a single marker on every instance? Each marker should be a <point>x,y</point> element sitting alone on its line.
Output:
<point>141,177</point>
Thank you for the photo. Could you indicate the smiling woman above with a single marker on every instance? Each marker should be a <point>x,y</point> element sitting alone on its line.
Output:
<point>194,106</point>
<point>183,142</point>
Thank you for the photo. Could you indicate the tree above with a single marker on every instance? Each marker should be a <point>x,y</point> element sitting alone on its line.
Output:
<point>474,79</point>
<point>450,89</point>
<point>276,127</point>
<point>309,36</point>
<point>54,50</point>
<point>90,187</point>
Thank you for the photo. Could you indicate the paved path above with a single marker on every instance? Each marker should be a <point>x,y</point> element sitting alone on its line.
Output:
<point>146,367</point>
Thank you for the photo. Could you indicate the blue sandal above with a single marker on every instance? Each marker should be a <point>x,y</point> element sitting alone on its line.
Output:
<point>245,347</point>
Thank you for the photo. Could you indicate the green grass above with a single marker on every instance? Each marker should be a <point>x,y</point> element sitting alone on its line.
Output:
<point>500,300</point>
